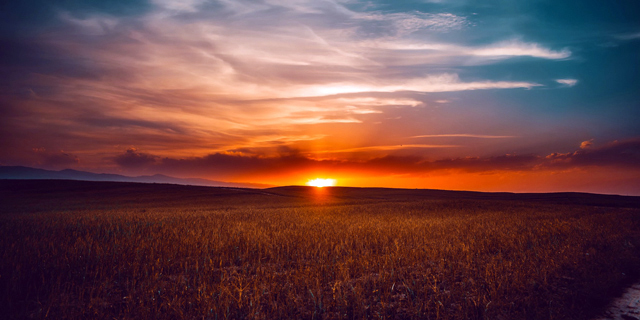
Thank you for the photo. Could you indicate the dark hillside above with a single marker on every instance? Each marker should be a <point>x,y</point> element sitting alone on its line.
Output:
<point>427,194</point>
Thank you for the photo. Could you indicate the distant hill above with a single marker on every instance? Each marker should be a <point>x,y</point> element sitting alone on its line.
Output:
<point>373,194</point>
<point>188,195</point>
<point>27,173</point>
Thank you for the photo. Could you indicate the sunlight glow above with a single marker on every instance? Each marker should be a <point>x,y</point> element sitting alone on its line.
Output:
<point>321,182</point>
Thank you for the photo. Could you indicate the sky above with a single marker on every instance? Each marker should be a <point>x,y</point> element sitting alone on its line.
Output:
<point>491,95</point>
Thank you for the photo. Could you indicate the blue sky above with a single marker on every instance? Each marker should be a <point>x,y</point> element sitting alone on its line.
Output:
<point>431,94</point>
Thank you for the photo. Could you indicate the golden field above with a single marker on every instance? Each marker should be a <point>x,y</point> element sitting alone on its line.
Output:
<point>100,250</point>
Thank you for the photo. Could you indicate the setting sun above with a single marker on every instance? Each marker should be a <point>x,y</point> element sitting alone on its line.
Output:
<point>321,183</point>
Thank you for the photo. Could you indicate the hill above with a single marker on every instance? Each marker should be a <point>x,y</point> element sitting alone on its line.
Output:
<point>20,172</point>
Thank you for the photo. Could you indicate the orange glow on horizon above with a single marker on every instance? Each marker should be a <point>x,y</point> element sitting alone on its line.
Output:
<point>318,182</point>
<point>609,180</point>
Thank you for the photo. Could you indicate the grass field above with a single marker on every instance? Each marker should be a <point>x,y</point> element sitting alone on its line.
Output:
<point>96,250</point>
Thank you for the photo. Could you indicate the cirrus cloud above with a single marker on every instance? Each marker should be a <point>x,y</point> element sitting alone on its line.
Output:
<point>190,79</point>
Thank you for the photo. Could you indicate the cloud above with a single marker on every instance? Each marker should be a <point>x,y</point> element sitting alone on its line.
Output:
<point>133,159</point>
<point>55,159</point>
<point>386,148</point>
<point>404,23</point>
<point>506,162</point>
<point>227,166</point>
<point>449,53</point>
<point>192,78</point>
<point>264,58</point>
<point>451,82</point>
<point>618,153</point>
<point>586,144</point>
<point>446,82</point>
<point>318,120</point>
<point>96,25</point>
<point>567,82</point>
<point>628,36</point>
<point>244,164</point>
<point>513,48</point>
<point>179,5</point>
<point>368,101</point>
<point>462,135</point>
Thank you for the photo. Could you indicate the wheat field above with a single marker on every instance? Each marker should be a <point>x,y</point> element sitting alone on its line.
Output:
<point>91,250</point>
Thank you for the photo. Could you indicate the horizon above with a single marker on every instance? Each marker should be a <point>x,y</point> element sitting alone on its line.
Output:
<point>533,96</point>
<point>191,182</point>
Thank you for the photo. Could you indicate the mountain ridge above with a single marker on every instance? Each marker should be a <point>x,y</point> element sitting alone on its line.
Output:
<point>29,173</point>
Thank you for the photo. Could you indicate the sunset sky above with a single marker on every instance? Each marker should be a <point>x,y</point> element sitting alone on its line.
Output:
<point>491,95</point>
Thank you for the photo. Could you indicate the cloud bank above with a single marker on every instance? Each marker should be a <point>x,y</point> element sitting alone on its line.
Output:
<point>617,154</point>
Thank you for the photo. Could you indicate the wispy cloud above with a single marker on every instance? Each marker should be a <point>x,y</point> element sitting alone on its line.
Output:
<point>567,82</point>
<point>517,48</point>
<point>451,53</point>
<point>198,77</point>
<point>323,120</point>
<point>628,36</point>
<point>404,23</point>
<point>462,135</point>
<point>179,6</point>
<point>373,101</point>
<point>446,82</point>
<point>386,148</point>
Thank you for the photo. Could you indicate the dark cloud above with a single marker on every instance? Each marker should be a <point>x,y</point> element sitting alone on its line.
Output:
<point>618,154</point>
<point>626,153</point>
<point>502,162</point>
<point>134,159</point>
<point>224,165</point>
<point>59,159</point>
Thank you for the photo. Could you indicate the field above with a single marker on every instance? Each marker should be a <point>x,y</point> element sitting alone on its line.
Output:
<point>100,250</point>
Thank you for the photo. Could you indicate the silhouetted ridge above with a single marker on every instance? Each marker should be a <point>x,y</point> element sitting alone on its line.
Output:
<point>19,172</point>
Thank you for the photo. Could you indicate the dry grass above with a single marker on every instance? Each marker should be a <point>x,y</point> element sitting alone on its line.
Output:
<point>105,251</point>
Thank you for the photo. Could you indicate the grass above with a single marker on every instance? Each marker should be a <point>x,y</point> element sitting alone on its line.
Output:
<point>78,250</point>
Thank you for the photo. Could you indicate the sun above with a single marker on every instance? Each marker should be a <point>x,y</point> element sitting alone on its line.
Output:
<point>321,182</point>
